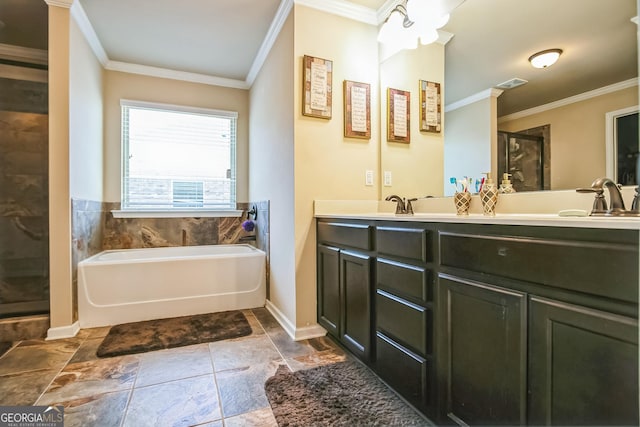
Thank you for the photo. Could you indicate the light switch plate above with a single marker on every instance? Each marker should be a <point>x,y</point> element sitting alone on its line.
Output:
<point>387,179</point>
<point>368,178</point>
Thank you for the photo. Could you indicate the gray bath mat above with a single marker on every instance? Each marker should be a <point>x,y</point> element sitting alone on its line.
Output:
<point>341,394</point>
<point>149,335</point>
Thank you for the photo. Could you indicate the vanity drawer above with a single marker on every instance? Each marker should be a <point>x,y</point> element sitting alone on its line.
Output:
<point>403,370</point>
<point>597,268</point>
<point>406,322</point>
<point>402,242</point>
<point>345,234</point>
<point>405,280</point>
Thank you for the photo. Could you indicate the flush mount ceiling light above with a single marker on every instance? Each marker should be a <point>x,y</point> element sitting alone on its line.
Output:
<point>545,58</point>
<point>413,20</point>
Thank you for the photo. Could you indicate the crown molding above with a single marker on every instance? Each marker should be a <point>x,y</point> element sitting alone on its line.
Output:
<point>571,100</point>
<point>488,93</point>
<point>274,30</point>
<point>60,3</point>
<point>23,54</point>
<point>444,37</point>
<point>345,9</point>
<point>165,73</point>
<point>78,13</point>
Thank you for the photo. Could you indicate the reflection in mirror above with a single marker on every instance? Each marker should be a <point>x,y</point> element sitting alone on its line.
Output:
<point>492,40</point>
<point>413,168</point>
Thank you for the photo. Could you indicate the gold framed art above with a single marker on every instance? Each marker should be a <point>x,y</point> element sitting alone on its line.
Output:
<point>398,115</point>
<point>430,106</point>
<point>357,110</point>
<point>316,91</point>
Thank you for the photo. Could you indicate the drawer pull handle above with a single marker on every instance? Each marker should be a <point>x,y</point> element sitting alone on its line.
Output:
<point>503,251</point>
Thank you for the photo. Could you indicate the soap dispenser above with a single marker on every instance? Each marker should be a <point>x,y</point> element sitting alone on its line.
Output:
<point>506,186</point>
<point>489,196</point>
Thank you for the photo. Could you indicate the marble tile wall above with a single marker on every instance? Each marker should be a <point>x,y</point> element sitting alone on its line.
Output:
<point>24,224</point>
<point>262,233</point>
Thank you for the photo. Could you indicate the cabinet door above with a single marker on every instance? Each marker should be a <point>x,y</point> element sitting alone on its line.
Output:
<point>583,366</point>
<point>329,289</point>
<point>482,353</point>
<point>355,281</point>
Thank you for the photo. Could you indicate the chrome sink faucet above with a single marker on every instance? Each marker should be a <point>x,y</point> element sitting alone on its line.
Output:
<point>400,208</point>
<point>403,206</point>
<point>616,203</point>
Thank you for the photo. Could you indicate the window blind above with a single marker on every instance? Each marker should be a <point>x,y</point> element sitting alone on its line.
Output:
<point>177,157</point>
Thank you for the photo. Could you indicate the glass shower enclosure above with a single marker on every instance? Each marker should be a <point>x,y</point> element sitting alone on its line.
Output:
<point>522,156</point>
<point>24,202</point>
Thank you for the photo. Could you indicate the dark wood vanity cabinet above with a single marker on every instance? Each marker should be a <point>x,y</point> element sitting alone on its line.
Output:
<point>403,320</point>
<point>329,307</point>
<point>479,324</point>
<point>583,365</point>
<point>537,326</point>
<point>375,295</point>
<point>483,353</point>
<point>344,285</point>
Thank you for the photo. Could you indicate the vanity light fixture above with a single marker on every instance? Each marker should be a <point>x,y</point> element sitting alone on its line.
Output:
<point>398,29</point>
<point>545,58</point>
<point>413,20</point>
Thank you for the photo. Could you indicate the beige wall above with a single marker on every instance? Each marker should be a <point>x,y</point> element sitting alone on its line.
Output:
<point>61,295</point>
<point>75,148</point>
<point>327,165</point>
<point>85,118</point>
<point>470,140</point>
<point>417,167</point>
<point>271,124</point>
<point>152,89</point>
<point>577,136</point>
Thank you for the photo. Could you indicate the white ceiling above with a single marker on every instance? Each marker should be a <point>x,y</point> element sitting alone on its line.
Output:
<point>492,40</point>
<point>211,37</point>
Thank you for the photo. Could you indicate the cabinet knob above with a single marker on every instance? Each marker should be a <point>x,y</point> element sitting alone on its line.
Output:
<point>503,251</point>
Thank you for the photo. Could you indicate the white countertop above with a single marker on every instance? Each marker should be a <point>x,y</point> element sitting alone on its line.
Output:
<point>548,220</point>
<point>373,210</point>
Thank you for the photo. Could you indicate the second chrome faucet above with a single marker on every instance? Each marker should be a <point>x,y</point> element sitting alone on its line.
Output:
<point>616,203</point>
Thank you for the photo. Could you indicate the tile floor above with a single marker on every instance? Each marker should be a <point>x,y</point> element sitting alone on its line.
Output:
<point>213,384</point>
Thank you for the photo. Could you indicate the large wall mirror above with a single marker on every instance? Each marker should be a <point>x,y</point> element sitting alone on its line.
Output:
<point>567,103</point>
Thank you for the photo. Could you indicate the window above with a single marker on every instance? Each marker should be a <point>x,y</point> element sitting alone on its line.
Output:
<point>177,157</point>
<point>188,194</point>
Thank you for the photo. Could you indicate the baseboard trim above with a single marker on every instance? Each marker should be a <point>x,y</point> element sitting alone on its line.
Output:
<point>308,332</point>
<point>63,331</point>
<point>297,334</point>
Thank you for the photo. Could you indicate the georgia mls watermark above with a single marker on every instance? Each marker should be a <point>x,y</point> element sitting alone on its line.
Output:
<point>31,416</point>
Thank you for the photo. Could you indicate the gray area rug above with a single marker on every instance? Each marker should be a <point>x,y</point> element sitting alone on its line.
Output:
<point>139,337</point>
<point>341,394</point>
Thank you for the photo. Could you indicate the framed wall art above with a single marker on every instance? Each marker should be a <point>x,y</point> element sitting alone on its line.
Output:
<point>430,107</point>
<point>316,91</point>
<point>357,110</point>
<point>398,117</point>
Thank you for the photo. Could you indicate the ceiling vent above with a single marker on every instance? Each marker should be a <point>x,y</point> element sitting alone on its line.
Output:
<point>510,84</point>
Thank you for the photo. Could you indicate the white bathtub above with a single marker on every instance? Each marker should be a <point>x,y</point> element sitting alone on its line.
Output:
<point>131,285</point>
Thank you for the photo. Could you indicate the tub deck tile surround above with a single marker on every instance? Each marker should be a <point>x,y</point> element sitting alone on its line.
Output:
<point>206,384</point>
